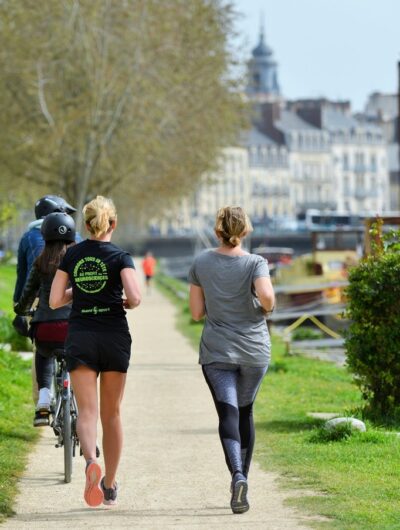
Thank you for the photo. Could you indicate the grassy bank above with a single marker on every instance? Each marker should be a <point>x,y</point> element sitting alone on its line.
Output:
<point>16,431</point>
<point>358,476</point>
<point>7,282</point>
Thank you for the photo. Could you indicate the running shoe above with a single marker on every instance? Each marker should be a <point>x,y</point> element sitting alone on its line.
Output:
<point>239,502</point>
<point>93,494</point>
<point>110,494</point>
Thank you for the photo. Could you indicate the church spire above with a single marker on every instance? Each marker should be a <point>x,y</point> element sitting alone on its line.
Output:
<point>262,69</point>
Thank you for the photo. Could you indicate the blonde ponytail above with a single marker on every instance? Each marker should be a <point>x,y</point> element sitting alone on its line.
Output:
<point>232,224</point>
<point>99,214</point>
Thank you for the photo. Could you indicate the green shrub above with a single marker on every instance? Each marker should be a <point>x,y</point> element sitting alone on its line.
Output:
<point>306,333</point>
<point>373,338</point>
<point>278,367</point>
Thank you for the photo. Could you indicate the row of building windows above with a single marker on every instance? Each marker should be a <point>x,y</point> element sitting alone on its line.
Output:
<point>308,141</point>
<point>362,162</point>
<point>262,156</point>
<point>353,136</point>
<point>320,142</point>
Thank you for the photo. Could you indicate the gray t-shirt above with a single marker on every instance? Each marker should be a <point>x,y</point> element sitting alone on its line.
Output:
<point>235,329</point>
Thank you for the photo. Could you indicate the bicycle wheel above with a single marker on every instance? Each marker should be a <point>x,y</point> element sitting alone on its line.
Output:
<point>67,438</point>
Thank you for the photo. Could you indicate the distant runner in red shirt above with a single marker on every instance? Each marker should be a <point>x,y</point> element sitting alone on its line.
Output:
<point>149,266</point>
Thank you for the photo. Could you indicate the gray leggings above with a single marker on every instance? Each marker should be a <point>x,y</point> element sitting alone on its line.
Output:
<point>234,388</point>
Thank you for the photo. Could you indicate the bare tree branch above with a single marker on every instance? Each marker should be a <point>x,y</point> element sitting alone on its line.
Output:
<point>42,99</point>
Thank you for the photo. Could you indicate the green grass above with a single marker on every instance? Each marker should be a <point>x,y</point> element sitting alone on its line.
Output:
<point>16,408</point>
<point>7,283</point>
<point>8,335</point>
<point>16,431</point>
<point>358,475</point>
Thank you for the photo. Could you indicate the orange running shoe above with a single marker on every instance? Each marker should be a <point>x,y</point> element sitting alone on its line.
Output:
<point>93,493</point>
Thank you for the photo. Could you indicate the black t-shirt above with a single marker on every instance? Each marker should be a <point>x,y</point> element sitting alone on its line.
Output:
<point>94,270</point>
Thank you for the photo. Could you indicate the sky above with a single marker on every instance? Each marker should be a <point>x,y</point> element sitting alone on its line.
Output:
<point>340,49</point>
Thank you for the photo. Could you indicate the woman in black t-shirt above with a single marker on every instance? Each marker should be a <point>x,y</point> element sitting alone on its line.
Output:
<point>98,340</point>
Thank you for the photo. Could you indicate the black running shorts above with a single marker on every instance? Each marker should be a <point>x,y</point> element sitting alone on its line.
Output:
<point>102,351</point>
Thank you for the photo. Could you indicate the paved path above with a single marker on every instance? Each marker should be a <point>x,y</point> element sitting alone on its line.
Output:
<point>172,474</point>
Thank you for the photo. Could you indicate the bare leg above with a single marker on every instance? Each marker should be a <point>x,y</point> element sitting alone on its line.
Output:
<point>112,386</point>
<point>84,383</point>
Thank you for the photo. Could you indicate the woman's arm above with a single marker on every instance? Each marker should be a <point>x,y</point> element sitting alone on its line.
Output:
<point>29,293</point>
<point>131,288</point>
<point>265,293</point>
<point>197,302</point>
<point>59,294</point>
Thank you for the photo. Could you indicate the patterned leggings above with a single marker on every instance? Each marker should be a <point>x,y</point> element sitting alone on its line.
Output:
<point>234,388</point>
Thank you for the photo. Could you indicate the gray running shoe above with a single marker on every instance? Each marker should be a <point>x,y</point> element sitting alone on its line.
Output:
<point>239,502</point>
<point>110,494</point>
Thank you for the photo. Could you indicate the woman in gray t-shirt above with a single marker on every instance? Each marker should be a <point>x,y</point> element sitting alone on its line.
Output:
<point>232,290</point>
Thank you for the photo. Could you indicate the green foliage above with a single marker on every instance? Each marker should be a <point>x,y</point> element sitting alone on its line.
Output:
<point>278,366</point>
<point>305,333</point>
<point>373,338</point>
<point>80,78</point>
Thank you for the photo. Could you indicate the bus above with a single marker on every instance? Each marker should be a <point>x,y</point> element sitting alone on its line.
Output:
<point>318,219</point>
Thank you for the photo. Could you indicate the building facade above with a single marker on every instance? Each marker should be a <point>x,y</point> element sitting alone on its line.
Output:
<point>300,155</point>
<point>358,155</point>
<point>384,111</point>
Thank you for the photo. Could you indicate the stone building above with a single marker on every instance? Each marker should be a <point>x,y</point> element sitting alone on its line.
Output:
<point>383,110</point>
<point>300,155</point>
<point>358,154</point>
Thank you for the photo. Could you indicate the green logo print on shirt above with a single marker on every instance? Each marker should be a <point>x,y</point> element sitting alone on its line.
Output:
<point>90,275</point>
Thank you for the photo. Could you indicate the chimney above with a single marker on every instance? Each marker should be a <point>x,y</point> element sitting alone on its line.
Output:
<point>269,114</point>
<point>311,114</point>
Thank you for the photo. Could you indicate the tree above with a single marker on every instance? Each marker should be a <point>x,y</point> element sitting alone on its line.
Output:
<point>373,338</point>
<point>127,97</point>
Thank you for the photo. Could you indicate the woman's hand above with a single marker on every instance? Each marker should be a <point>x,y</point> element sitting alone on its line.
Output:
<point>126,304</point>
<point>131,288</point>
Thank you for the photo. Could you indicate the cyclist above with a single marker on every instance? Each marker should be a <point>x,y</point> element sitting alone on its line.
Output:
<point>48,327</point>
<point>98,339</point>
<point>29,248</point>
<point>232,289</point>
<point>32,243</point>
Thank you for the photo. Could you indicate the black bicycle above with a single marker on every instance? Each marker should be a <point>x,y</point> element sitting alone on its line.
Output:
<point>64,412</point>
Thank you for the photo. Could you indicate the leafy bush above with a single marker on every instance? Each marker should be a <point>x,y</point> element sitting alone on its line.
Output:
<point>306,333</point>
<point>373,338</point>
<point>278,367</point>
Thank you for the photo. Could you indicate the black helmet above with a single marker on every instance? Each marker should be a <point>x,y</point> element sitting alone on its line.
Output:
<point>58,226</point>
<point>52,203</point>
